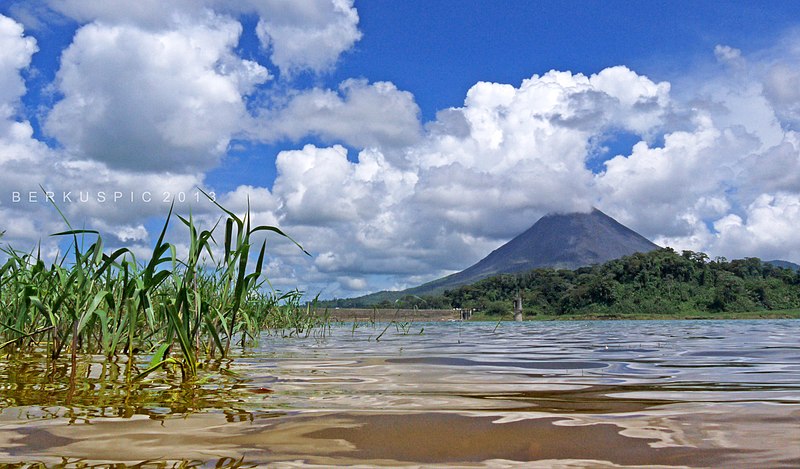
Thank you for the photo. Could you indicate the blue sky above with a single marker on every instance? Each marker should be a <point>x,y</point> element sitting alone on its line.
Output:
<point>401,141</point>
<point>438,50</point>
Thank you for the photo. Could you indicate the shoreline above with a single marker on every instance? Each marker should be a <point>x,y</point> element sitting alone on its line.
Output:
<point>434,315</point>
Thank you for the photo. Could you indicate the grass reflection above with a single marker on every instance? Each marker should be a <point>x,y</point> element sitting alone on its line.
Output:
<point>102,388</point>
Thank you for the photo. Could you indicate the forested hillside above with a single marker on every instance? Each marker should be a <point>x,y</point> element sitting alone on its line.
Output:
<point>657,282</point>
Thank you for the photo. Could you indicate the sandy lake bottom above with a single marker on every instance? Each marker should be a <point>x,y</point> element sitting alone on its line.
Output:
<point>533,394</point>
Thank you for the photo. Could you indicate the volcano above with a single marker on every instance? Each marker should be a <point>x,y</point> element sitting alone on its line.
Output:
<point>558,241</point>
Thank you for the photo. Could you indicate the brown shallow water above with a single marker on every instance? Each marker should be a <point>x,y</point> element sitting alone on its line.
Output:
<point>574,394</point>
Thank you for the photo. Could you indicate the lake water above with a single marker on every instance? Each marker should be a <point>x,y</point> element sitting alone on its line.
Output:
<point>533,394</point>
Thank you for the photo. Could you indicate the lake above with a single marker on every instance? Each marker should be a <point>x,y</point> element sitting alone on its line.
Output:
<point>453,394</point>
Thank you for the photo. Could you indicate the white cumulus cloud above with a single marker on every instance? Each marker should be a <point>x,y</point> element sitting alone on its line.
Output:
<point>142,100</point>
<point>298,35</point>
<point>307,34</point>
<point>16,51</point>
<point>480,174</point>
<point>359,114</point>
<point>768,229</point>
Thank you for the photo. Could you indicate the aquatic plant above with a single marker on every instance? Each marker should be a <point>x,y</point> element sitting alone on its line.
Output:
<point>90,301</point>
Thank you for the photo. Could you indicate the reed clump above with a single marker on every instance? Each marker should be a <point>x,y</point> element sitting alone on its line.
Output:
<point>179,309</point>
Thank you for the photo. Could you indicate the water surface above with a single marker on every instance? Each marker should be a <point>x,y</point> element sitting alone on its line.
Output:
<point>570,394</point>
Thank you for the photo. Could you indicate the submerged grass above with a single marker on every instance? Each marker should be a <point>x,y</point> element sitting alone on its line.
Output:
<point>179,309</point>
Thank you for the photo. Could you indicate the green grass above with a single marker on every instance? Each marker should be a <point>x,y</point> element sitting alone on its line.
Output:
<point>179,309</point>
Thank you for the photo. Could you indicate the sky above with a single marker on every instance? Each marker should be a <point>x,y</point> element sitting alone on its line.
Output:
<point>400,141</point>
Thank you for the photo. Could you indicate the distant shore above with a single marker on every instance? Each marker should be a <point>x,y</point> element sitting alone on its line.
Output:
<point>426,315</point>
<point>383,315</point>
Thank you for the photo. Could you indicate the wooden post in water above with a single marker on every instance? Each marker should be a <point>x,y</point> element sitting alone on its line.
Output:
<point>518,306</point>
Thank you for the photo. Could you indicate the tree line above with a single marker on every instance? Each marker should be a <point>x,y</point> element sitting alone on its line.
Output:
<point>657,282</point>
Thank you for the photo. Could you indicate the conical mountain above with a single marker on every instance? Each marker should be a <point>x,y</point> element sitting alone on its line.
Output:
<point>561,241</point>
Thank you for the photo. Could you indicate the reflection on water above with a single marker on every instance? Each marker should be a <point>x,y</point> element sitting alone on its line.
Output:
<point>574,394</point>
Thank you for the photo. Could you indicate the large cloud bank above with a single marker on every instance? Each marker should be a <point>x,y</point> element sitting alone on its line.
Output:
<point>152,99</point>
